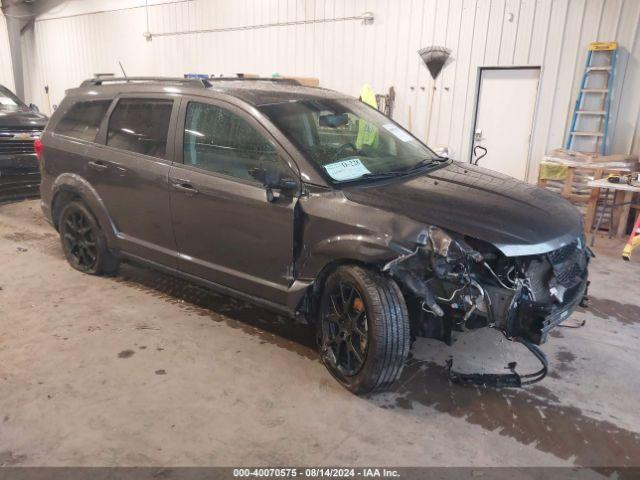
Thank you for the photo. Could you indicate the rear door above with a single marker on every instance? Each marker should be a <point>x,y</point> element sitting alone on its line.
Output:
<point>129,169</point>
<point>77,125</point>
<point>226,230</point>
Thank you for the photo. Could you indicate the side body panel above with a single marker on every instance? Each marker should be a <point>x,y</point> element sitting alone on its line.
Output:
<point>134,188</point>
<point>226,230</point>
<point>228,234</point>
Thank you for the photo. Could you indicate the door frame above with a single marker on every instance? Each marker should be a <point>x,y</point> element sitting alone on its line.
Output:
<point>240,111</point>
<point>481,69</point>
<point>269,290</point>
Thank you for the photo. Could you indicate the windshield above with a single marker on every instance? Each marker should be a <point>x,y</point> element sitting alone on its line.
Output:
<point>9,101</point>
<point>348,139</point>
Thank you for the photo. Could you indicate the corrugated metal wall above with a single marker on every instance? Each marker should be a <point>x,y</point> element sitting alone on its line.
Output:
<point>6,69</point>
<point>69,45</point>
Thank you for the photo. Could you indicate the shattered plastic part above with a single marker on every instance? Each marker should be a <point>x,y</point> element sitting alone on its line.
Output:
<point>440,242</point>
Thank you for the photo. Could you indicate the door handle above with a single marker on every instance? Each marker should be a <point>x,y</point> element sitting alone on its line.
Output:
<point>184,187</point>
<point>98,165</point>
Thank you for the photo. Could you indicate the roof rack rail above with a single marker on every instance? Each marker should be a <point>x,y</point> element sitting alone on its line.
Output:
<point>195,82</point>
<point>286,81</point>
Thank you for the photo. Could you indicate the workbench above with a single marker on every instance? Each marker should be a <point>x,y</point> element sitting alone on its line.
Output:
<point>626,191</point>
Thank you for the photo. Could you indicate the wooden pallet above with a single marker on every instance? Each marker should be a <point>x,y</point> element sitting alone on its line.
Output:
<point>589,200</point>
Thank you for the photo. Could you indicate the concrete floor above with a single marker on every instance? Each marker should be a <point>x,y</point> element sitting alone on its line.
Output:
<point>144,369</point>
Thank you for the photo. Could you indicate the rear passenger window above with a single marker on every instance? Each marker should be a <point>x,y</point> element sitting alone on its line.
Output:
<point>218,140</point>
<point>140,125</point>
<point>82,120</point>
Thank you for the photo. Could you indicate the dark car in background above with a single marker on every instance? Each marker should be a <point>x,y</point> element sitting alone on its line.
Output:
<point>20,126</point>
<point>315,205</point>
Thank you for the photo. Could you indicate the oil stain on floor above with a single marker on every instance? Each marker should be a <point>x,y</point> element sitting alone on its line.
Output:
<point>625,313</point>
<point>532,416</point>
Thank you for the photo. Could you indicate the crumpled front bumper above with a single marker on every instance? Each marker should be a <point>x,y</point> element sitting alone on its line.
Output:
<point>521,317</point>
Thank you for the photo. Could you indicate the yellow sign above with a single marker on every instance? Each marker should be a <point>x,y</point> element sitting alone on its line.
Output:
<point>602,46</point>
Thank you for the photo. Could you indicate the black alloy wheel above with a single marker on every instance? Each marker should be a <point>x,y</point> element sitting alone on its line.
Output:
<point>79,239</point>
<point>345,330</point>
<point>83,241</point>
<point>363,328</point>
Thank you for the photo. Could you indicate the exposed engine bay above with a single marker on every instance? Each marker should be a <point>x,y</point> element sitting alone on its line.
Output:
<point>456,284</point>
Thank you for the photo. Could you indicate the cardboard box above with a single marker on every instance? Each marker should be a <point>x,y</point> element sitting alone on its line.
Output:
<point>306,81</point>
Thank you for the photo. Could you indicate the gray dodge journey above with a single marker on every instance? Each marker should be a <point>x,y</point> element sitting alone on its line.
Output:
<point>315,205</point>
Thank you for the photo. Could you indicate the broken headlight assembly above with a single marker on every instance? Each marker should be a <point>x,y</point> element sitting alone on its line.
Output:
<point>455,284</point>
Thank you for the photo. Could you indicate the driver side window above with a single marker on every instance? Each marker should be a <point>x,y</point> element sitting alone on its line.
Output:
<point>220,141</point>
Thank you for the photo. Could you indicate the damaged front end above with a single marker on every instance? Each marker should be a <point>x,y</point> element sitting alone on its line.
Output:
<point>455,284</point>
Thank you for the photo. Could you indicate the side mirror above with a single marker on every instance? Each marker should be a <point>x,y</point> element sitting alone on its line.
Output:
<point>274,184</point>
<point>284,187</point>
<point>288,186</point>
<point>33,107</point>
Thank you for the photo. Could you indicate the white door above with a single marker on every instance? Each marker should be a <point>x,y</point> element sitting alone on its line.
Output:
<point>504,118</point>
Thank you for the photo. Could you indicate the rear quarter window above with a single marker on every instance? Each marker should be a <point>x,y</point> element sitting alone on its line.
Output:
<point>140,125</point>
<point>82,120</point>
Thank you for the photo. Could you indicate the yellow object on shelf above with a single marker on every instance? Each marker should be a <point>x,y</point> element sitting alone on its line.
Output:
<point>602,46</point>
<point>553,171</point>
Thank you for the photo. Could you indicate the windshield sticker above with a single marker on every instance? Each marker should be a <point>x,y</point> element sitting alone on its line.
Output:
<point>398,132</point>
<point>346,169</point>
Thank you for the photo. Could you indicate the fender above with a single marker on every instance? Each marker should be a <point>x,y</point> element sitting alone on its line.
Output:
<point>361,234</point>
<point>323,257</point>
<point>358,248</point>
<point>76,184</point>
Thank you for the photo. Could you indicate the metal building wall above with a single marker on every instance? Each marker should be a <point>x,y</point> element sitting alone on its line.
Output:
<point>6,69</point>
<point>71,43</point>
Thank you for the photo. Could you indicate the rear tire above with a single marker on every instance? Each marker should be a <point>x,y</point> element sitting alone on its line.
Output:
<point>83,242</point>
<point>363,329</point>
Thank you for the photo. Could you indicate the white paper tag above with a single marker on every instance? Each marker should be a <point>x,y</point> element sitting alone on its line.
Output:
<point>346,169</point>
<point>398,132</point>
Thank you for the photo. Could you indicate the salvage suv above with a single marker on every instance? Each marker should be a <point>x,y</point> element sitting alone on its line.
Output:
<point>315,205</point>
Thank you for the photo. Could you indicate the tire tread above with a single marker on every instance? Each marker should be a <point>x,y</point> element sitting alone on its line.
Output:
<point>389,311</point>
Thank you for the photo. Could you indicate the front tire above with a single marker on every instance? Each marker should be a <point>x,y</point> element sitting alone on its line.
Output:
<point>363,329</point>
<point>83,242</point>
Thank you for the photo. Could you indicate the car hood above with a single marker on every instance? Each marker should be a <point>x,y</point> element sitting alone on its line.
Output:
<point>514,216</point>
<point>22,118</point>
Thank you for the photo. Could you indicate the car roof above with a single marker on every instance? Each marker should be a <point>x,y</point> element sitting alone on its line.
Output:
<point>255,92</point>
<point>265,93</point>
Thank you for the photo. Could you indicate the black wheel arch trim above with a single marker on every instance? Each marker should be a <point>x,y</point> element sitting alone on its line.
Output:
<point>81,188</point>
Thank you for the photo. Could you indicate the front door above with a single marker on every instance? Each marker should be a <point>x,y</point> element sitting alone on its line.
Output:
<point>131,172</point>
<point>504,118</point>
<point>226,229</point>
